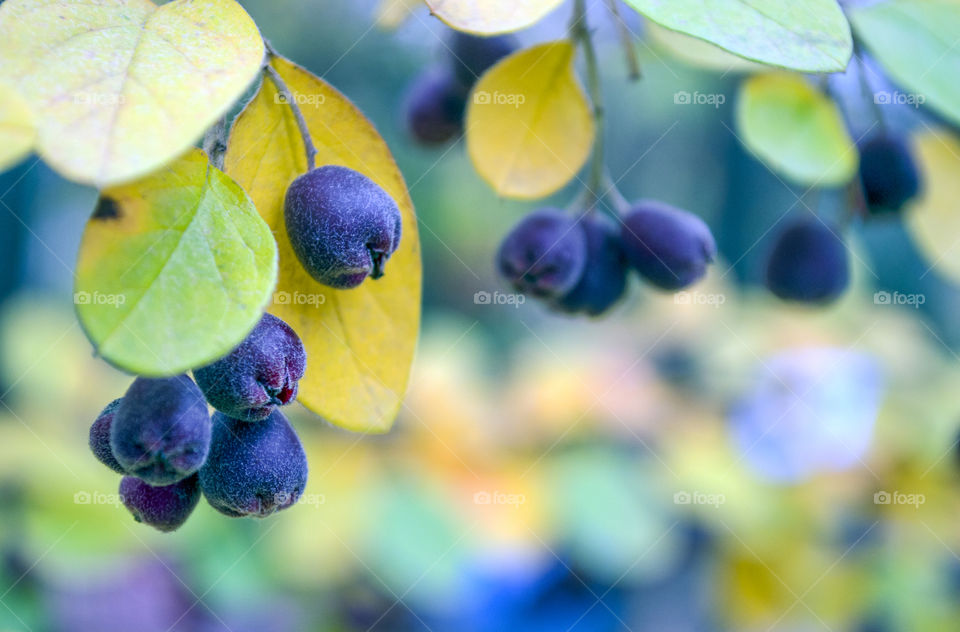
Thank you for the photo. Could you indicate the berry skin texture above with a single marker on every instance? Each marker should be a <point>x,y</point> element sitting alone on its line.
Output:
<point>163,508</point>
<point>544,255</point>
<point>888,173</point>
<point>669,247</point>
<point>260,374</point>
<point>100,437</point>
<point>253,469</point>
<point>604,277</point>
<point>472,56</point>
<point>342,225</point>
<point>161,430</point>
<point>808,264</point>
<point>435,107</point>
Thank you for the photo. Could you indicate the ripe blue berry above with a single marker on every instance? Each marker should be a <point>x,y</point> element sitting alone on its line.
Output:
<point>669,247</point>
<point>604,276</point>
<point>342,225</point>
<point>161,429</point>
<point>257,376</point>
<point>544,255</point>
<point>808,263</point>
<point>888,172</point>
<point>100,437</point>
<point>472,55</point>
<point>163,508</point>
<point>435,107</point>
<point>253,469</point>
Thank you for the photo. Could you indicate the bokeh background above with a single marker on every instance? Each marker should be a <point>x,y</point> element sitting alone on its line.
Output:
<point>718,461</point>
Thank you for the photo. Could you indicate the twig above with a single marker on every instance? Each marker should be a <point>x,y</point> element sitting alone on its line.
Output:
<point>215,142</point>
<point>626,42</point>
<point>288,98</point>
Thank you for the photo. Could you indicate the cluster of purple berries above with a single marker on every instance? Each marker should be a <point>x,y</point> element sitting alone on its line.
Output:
<point>809,262</point>
<point>246,460</point>
<point>580,264</point>
<point>438,98</point>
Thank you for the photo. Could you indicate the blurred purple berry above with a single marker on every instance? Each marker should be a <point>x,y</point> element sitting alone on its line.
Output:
<point>888,172</point>
<point>668,246</point>
<point>544,255</point>
<point>161,429</point>
<point>472,55</point>
<point>808,263</point>
<point>163,508</point>
<point>604,277</point>
<point>342,225</point>
<point>259,375</point>
<point>253,469</point>
<point>435,107</point>
<point>100,437</point>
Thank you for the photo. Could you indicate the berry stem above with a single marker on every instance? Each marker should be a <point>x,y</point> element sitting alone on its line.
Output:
<point>626,41</point>
<point>215,142</point>
<point>287,96</point>
<point>580,32</point>
<point>865,88</point>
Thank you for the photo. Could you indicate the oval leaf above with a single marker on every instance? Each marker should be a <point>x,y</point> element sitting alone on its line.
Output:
<point>699,53</point>
<point>811,36</point>
<point>359,342</point>
<point>926,56</point>
<point>17,127</point>
<point>491,16</point>
<point>529,125</point>
<point>174,270</point>
<point>795,130</point>
<point>933,220</point>
<point>119,87</point>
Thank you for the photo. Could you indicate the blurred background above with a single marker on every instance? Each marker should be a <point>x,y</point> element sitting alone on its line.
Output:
<point>717,461</point>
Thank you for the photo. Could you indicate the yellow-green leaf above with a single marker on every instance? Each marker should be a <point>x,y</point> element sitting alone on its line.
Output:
<point>934,220</point>
<point>122,87</point>
<point>699,53</point>
<point>174,269</point>
<point>17,127</point>
<point>529,125</point>
<point>359,342</point>
<point>795,130</point>
<point>487,17</point>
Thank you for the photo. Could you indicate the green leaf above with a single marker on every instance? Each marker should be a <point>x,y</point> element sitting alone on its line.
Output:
<point>916,42</point>
<point>491,16</point>
<point>795,130</point>
<point>122,87</point>
<point>810,36</point>
<point>174,270</point>
<point>17,127</point>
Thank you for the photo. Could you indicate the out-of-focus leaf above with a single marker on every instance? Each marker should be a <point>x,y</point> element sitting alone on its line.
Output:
<point>487,17</point>
<point>697,52</point>
<point>17,127</point>
<point>933,219</point>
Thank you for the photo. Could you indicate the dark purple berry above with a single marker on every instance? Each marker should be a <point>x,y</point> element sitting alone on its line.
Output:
<point>604,277</point>
<point>163,508</point>
<point>259,375</point>
<point>669,247</point>
<point>808,263</point>
<point>888,172</point>
<point>473,55</point>
<point>100,437</point>
<point>434,109</point>
<point>161,429</point>
<point>342,225</point>
<point>544,255</point>
<point>253,469</point>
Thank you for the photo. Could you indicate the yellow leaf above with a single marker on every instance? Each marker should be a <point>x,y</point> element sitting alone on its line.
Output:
<point>529,125</point>
<point>359,342</point>
<point>934,220</point>
<point>121,87</point>
<point>17,127</point>
<point>487,17</point>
